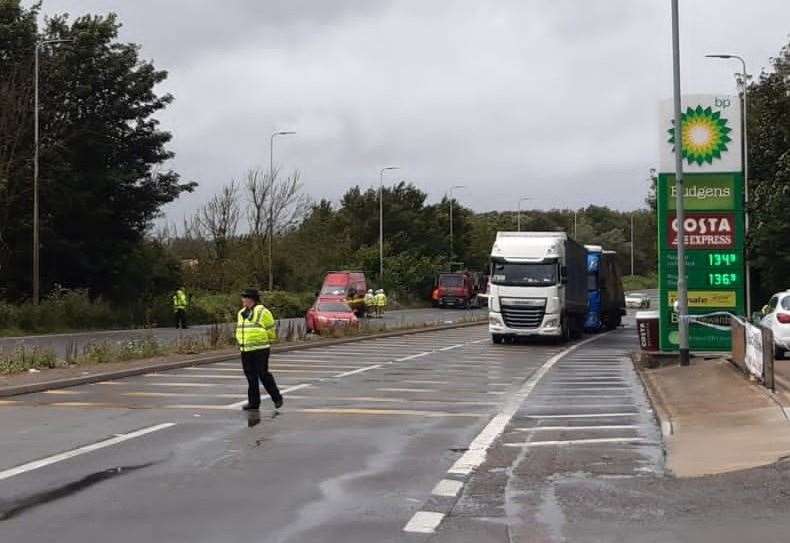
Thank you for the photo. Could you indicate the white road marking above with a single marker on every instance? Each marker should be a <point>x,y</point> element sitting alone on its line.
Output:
<point>476,454</point>
<point>64,392</point>
<point>354,372</point>
<point>120,438</point>
<point>584,416</point>
<point>284,391</point>
<point>451,347</point>
<point>412,357</point>
<point>448,488</point>
<point>577,442</point>
<point>580,428</point>
<point>406,389</point>
<point>424,522</point>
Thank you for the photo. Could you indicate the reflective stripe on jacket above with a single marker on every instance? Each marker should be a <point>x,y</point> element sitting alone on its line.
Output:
<point>257,330</point>
<point>370,299</point>
<point>381,299</point>
<point>180,300</point>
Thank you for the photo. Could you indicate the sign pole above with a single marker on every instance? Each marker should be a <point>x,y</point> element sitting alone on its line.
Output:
<point>683,325</point>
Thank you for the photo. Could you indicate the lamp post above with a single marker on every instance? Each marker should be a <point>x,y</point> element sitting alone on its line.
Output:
<point>271,200</point>
<point>381,221</point>
<point>743,82</point>
<point>452,204</point>
<point>632,244</point>
<point>683,324</point>
<point>36,271</point>
<point>518,216</point>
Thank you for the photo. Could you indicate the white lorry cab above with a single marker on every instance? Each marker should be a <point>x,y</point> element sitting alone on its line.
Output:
<point>538,286</point>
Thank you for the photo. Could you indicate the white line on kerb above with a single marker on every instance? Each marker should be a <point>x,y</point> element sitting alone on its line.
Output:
<point>580,428</point>
<point>120,438</point>
<point>584,416</point>
<point>448,488</point>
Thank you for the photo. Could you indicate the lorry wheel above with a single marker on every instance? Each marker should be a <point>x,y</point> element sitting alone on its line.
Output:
<point>496,338</point>
<point>565,335</point>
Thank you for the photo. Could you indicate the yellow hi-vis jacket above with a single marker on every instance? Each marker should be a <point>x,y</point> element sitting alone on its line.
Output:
<point>180,300</point>
<point>370,299</point>
<point>381,299</point>
<point>255,329</point>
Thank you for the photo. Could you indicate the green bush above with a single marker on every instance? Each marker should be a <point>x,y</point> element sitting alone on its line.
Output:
<point>640,282</point>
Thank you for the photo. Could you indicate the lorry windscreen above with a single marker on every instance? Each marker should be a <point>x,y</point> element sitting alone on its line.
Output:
<point>509,273</point>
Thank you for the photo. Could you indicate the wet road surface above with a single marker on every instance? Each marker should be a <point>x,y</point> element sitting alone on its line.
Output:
<point>438,436</point>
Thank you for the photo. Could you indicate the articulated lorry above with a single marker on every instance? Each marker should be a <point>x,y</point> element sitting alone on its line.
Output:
<point>605,296</point>
<point>538,286</point>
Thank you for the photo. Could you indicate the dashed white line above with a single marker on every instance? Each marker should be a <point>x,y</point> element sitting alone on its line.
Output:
<point>448,488</point>
<point>424,522</point>
<point>354,372</point>
<point>283,391</point>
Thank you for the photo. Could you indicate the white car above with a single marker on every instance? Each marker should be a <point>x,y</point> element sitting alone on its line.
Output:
<point>637,300</point>
<point>776,316</point>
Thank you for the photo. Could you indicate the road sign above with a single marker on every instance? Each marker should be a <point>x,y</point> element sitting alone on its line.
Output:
<point>714,222</point>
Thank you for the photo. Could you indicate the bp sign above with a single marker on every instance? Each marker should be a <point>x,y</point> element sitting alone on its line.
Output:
<point>714,222</point>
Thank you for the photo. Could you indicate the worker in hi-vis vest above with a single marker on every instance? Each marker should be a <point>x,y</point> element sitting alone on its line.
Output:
<point>370,303</point>
<point>381,302</point>
<point>256,330</point>
<point>180,304</point>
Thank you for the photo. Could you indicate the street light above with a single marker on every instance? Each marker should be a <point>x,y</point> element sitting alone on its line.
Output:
<point>36,273</point>
<point>381,221</point>
<point>683,307</point>
<point>632,244</point>
<point>452,202</point>
<point>271,200</point>
<point>518,216</point>
<point>743,82</point>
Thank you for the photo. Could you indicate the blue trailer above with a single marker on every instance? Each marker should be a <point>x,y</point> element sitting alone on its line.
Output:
<point>605,296</point>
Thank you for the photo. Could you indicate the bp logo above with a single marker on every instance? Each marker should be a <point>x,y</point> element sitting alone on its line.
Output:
<point>704,133</point>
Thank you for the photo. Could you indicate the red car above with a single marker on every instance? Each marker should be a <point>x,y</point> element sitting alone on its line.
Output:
<point>326,314</point>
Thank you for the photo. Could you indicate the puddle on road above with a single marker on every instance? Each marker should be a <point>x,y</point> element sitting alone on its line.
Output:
<point>10,510</point>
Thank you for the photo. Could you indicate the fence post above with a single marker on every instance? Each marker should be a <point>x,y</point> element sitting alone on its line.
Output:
<point>768,358</point>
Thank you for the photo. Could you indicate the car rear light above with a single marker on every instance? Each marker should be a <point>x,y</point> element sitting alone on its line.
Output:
<point>784,318</point>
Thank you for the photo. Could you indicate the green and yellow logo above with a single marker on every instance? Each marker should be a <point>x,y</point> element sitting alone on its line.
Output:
<point>705,135</point>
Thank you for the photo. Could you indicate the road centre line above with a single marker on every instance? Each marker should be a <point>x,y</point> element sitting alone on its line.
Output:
<point>451,347</point>
<point>578,442</point>
<point>120,438</point>
<point>427,521</point>
<point>414,356</point>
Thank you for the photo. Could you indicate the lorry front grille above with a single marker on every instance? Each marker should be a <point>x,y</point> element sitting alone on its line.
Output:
<point>523,316</point>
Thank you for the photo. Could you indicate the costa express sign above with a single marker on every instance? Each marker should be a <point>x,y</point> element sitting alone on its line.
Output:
<point>704,230</point>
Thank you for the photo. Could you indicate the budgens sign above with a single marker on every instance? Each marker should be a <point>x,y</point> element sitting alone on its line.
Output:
<point>714,226</point>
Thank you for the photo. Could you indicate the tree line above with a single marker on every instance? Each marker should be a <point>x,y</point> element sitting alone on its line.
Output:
<point>103,183</point>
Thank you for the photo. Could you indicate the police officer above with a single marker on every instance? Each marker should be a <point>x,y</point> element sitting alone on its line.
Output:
<point>255,332</point>
<point>180,303</point>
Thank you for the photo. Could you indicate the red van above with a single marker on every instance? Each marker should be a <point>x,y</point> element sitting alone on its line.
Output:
<point>349,286</point>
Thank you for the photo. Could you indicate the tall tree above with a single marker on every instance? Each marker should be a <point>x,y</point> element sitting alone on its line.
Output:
<point>101,150</point>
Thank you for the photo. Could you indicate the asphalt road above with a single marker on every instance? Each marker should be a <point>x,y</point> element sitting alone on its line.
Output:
<point>76,342</point>
<point>437,436</point>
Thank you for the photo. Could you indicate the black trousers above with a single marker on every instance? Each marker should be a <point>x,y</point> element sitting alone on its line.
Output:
<point>181,318</point>
<point>256,366</point>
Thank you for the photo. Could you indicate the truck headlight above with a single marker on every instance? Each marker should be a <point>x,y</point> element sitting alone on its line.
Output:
<point>552,322</point>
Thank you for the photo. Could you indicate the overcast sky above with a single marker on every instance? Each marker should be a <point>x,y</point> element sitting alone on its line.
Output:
<point>551,99</point>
